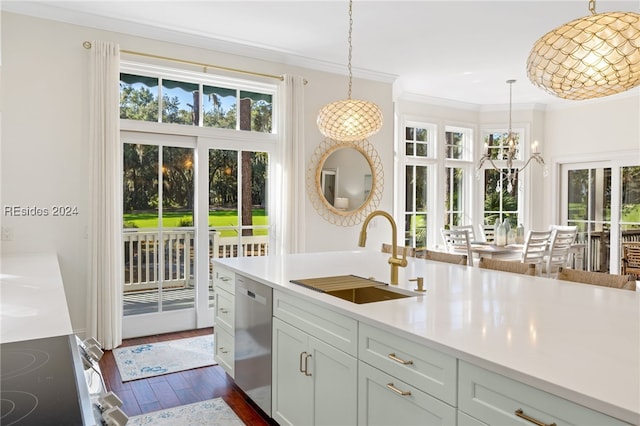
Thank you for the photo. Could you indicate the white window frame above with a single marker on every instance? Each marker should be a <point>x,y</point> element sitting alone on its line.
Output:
<point>523,190</point>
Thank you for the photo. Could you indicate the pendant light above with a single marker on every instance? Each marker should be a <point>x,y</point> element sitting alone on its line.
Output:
<point>349,120</point>
<point>590,57</point>
<point>509,152</point>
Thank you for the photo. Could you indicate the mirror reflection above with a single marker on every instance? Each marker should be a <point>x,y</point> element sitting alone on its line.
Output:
<point>345,179</point>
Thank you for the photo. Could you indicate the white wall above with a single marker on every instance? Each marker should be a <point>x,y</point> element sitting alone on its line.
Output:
<point>44,131</point>
<point>44,136</point>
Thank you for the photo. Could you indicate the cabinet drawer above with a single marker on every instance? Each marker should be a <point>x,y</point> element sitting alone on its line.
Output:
<point>494,399</point>
<point>224,351</point>
<point>225,312</point>
<point>223,279</point>
<point>380,404</point>
<point>331,327</point>
<point>427,369</point>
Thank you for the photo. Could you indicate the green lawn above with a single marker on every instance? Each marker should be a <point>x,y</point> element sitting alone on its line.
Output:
<point>176,219</point>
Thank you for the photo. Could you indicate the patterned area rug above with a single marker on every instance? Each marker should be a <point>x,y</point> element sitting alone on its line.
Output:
<point>212,412</point>
<point>155,359</point>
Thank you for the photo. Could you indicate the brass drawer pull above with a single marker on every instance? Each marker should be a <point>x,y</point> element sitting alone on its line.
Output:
<point>300,365</point>
<point>221,350</point>
<point>306,365</point>
<point>522,415</point>
<point>223,310</point>
<point>398,391</point>
<point>401,361</point>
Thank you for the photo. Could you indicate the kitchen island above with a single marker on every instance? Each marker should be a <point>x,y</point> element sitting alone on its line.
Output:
<point>576,343</point>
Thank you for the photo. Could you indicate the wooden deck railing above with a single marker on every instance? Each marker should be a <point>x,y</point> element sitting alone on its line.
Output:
<point>143,260</point>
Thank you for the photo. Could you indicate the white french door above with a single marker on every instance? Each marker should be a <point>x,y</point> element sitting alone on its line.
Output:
<point>602,199</point>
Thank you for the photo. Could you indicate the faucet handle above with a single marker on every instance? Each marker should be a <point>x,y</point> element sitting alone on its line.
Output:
<point>420,281</point>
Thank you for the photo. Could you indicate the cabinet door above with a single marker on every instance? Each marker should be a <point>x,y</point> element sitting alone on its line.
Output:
<point>381,403</point>
<point>335,385</point>
<point>224,352</point>
<point>292,399</point>
<point>225,306</point>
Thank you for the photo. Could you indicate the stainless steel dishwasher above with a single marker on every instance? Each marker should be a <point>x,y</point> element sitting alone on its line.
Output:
<point>254,304</point>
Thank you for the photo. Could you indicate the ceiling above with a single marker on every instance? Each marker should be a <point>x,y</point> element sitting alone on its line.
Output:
<point>454,50</point>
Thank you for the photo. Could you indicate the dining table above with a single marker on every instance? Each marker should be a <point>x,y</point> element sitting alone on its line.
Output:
<point>494,251</point>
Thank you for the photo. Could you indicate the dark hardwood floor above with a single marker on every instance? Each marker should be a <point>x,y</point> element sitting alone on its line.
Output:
<point>181,388</point>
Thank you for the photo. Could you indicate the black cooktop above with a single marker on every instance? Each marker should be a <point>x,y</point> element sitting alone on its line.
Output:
<point>38,383</point>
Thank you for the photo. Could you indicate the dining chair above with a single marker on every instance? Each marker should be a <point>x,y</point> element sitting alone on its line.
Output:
<point>508,266</point>
<point>472,233</point>
<point>631,259</point>
<point>535,247</point>
<point>562,238</point>
<point>457,241</point>
<point>456,259</point>
<point>408,251</point>
<point>623,282</point>
<point>488,232</point>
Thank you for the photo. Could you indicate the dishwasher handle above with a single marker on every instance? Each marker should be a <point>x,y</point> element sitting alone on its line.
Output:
<point>241,291</point>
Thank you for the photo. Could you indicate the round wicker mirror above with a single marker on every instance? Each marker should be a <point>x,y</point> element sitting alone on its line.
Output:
<point>345,181</point>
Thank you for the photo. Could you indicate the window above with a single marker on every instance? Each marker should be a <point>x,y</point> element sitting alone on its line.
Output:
<point>194,99</point>
<point>437,181</point>
<point>500,201</point>
<point>458,167</point>
<point>419,141</point>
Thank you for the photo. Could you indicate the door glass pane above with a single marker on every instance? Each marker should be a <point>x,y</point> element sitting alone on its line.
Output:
<point>589,208</point>
<point>630,207</point>
<point>158,229</point>
<point>141,233</point>
<point>177,228</point>
<point>238,217</point>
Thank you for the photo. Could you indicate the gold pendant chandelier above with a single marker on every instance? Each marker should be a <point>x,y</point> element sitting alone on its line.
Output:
<point>349,120</point>
<point>590,57</point>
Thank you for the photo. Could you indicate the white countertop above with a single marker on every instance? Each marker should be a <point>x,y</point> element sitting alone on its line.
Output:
<point>32,300</point>
<point>577,341</point>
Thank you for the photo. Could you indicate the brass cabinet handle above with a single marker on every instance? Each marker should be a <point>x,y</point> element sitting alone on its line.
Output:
<point>300,364</point>
<point>221,349</point>
<point>223,310</point>
<point>522,415</point>
<point>306,365</point>
<point>401,361</point>
<point>398,391</point>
